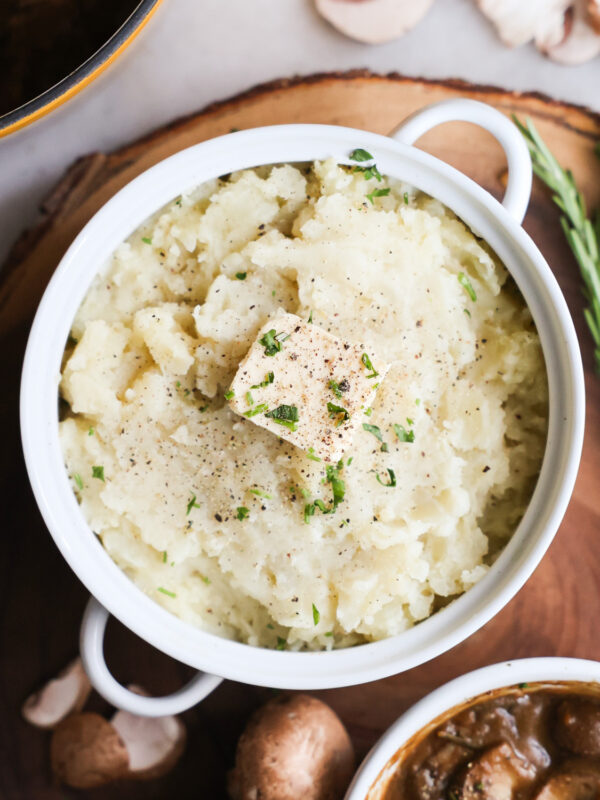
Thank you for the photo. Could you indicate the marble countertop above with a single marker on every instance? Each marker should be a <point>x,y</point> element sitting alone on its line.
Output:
<point>196,51</point>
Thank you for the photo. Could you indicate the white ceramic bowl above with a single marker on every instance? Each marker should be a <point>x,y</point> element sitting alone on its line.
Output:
<point>373,774</point>
<point>499,224</point>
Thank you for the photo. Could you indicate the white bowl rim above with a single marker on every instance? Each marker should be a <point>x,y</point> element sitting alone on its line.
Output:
<point>459,691</point>
<point>119,217</point>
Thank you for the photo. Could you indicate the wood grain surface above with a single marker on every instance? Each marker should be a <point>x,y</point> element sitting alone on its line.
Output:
<point>42,601</point>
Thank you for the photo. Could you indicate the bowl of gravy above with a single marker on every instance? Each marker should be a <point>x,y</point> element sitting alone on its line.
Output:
<point>521,730</point>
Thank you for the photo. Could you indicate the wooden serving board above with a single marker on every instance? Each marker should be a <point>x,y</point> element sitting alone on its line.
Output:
<point>42,601</point>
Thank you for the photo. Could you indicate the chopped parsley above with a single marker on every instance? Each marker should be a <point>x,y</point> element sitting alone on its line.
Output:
<point>338,413</point>
<point>316,614</point>
<point>78,481</point>
<point>178,202</point>
<point>167,592</point>
<point>284,415</point>
<point>369,365</point>
<point>228,395</point>
<point>249,399</point>
<point>91,432</point>
<point>418,401</point>
<point>377,193</point>
<point>360,155</point>
<point>146,240</point>
<point>98,472</point>
<point>467,286</point>
<point>269,378</point>
<point>206,580</point>
<point>337,484</point>
<point>329,633</point>
<point>371,171</point>
<point>338,488</point>
<point>311,454</point>
<point>310,316</point>
<point>271,341</point>
<point>252,412</point>
<point>392,475</point>
<point>191,504</point>
<point>270,627</point>
<point>405,198</point>
<point>523,685</point>
<point>376,431</point>
<point>368,412</point>
<point>241,276</point>
<point>403,434</point>
<point>467,312</point>
<point>164,556</point>
<point>242,512</point>
<point>281,643</point>
<point>260,493</point>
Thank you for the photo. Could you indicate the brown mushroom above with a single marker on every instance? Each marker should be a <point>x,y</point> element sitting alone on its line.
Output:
<point>86,751</point>
<point>154,744</point>
<point>578,726</point>
<point>373,21</point>
<point>593,14</point>
<point>576,780</point>
<point>59,697</point>
<point>494,775</point>
<point>293,747</point>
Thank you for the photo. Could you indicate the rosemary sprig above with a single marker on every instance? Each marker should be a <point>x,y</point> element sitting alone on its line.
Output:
<point>583,234</point>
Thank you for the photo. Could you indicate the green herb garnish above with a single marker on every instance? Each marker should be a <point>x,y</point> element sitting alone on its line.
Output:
<point>360,155</point>
<point>206,580</point>
<point>252,412</point>
<point>467,286</point>
<point>241,276</point>
<point>392,475</point>
<point>78,480</point>
<point>242,512</point>
<point>316,614</point>
<point>310,316</point>
<point>337,484</point>
<point>403,434</point>
<point>228,395</point>
<point>311,454</point>
<point>369,365</point>
<point>146,240</point>
<point>284,415</point>
<point>582,234</point>
<point>191,504</point>
<point>406,198</point>
<point>376,431</point>
<point>167,592</point>
<point>269,378</point>
<point>164,557</point>
<point>249,399</point>
<point>271,341</point>
<point>377,193</point>
<point>339,388</point>
<point>281,643</point>
<point>338,413</point>
<point>91,432</point>
<point>329,633</point>
<point>260,493</point>
<point>98,472</point>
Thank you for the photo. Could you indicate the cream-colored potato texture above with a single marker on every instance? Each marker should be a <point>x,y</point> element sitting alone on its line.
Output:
<point>239,524</point>
<point>306,386</point>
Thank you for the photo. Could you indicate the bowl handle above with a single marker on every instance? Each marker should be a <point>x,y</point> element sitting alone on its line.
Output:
<point>518,188</point>
<point>91,642</point>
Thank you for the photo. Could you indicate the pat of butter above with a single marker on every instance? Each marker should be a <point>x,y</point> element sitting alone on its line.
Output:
<point>306,386</point>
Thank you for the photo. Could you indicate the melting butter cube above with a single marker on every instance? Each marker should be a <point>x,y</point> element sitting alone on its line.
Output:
<point>306,386</point>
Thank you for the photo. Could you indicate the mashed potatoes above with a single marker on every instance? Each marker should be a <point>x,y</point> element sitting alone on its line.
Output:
<point>205,510</point>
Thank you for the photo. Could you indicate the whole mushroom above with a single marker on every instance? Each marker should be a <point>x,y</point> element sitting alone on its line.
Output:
<point>293,747</point>
<point>86,751</point>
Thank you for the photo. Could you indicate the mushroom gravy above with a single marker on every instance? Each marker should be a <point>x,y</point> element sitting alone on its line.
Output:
<point>531,742</point>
